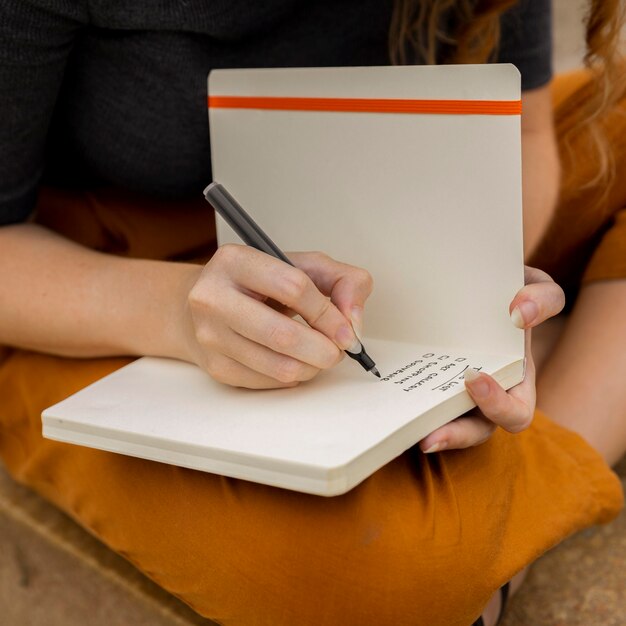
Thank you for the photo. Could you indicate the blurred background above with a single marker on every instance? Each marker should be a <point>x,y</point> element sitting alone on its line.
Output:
<point>52,573</point>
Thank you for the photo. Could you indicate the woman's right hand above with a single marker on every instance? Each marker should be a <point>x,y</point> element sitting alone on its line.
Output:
<point>238,335</point>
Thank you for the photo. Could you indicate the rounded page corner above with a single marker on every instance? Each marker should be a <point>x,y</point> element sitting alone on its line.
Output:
<point>211,80</point>
<point>513,73</point>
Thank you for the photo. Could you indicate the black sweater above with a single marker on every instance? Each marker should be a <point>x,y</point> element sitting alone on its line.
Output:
<point>113,92</point>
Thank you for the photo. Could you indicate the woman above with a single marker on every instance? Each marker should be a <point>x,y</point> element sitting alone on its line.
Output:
<point>104,130</point>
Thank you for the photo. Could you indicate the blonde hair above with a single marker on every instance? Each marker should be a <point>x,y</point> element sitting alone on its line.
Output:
<point>589,105</point>
<point>418,28</point>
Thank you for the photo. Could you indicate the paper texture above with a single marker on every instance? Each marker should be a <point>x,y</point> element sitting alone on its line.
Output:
<point>313,437</point>
<point>429,204</point>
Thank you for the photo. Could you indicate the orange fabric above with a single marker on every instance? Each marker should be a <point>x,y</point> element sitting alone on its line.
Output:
<point>368,105</point>
<point>127,224</point>
<point>425,540</point>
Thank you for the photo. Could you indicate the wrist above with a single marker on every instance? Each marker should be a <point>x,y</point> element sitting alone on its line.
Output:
<point>162,323</point>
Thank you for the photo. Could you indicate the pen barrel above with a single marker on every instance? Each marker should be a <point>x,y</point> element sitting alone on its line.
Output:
<point>237,218</point>
<point>252,235</point>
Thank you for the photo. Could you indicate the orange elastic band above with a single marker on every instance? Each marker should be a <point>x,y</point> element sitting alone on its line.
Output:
<point>369,105</point>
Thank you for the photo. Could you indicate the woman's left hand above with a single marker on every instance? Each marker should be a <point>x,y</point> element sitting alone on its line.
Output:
<point>540,299</point>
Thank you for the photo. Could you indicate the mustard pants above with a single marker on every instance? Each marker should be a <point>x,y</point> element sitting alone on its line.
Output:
<point>425,540</point>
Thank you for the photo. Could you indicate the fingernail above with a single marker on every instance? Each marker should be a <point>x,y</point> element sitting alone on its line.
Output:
<point>524,313</point>
<point>356,317</point>
<point>476,383</point>
<point>347,340</point>
<point>470,374</point>
<point>436,447</point>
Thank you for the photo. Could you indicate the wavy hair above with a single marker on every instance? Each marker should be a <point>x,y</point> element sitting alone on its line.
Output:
<point>468,31</point>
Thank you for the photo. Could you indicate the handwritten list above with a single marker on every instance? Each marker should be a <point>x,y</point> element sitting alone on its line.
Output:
<point>432,371</point>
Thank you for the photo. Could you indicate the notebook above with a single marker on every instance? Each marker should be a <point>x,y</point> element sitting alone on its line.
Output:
<point>411,172</point>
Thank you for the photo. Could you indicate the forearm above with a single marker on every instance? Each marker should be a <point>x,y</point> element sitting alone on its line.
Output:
<point>61,298</point>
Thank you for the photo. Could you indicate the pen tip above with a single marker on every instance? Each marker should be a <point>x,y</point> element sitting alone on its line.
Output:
<point>375,372</point>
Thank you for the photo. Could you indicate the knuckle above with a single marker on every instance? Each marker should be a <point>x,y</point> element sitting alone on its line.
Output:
<point>218,369</point>
<point>226,253</point>
<point>294,285</point>
<point>366,279</point>
<point>219,376</point>
<point>202,296</point>
<point>324,307</point>
<point>282,337</point>
<point>331,357</point>
<point>205,338</point>
<point>320,257</point>
<point>521,425</point>
<point>196,298</point>
<point>289,371</point>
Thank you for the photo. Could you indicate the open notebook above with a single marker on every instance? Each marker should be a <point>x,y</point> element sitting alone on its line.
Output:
<point>411,172</point>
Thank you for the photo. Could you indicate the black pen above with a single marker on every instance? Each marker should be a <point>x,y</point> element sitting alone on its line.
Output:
<point>252,235</point>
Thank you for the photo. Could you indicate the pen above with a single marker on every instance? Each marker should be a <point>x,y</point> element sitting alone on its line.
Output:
<point>252,235</point>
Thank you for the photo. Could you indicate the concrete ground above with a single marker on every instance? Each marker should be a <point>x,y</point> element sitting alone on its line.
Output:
<point>52,573</point>
<point>582,582</point>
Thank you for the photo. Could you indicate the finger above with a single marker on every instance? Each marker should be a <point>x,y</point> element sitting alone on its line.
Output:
<point>290,286</point>
<point>284,336</point>
<point>348,286</point>
<point>225,370</point>
<point>463,432</point>
<point>509,410</point>
<point>535,275</point>
<point>526,391</point>
<point>267,362</point>
<point>540,299</point>
<point>281,308</point>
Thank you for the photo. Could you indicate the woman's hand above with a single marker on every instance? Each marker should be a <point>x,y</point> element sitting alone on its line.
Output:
<point>539,300</point>
<point>240,328</point>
